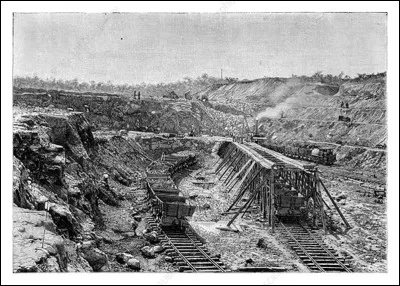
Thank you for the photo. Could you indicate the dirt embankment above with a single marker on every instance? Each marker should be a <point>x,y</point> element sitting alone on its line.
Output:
<point>116,112</point>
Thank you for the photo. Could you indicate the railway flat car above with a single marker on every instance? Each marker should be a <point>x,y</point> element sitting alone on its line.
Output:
<point>313,153</point>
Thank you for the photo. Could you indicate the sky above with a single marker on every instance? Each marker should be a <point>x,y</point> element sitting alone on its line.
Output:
<point>150,47</point>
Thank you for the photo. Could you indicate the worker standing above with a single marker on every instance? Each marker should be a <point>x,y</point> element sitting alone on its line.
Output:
<point>134,225</point>
<point>105,180</point>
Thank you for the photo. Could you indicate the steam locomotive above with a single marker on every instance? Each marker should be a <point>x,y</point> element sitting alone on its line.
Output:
<point>313,153</point>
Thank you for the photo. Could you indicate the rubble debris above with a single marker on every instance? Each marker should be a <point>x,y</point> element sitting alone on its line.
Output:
<point>148,252</point>
<point>206,206</point>
<point>158,249</point>
<point>341,197</point>
<point>261,243</point>
<point>97,259</point>
<point>133,264</point>
<point>151,236</point>
<point>123,257</point>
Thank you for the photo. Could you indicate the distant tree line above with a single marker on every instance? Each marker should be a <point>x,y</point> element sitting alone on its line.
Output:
<point>338,79</point>
<point>156,90</point>
<point>181,87</point>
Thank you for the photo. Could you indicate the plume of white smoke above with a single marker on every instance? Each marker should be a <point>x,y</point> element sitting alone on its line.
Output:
<point>295,99</point>
<point>279,110</point>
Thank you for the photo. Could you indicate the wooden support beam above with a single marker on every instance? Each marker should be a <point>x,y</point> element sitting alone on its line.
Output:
<point>224,160</point>
<point>238,173</point>
<point>257,190</point>
<point>335,205</point>
<point>255,156</point>
<point>243,191</point>
<point>232,148</point>
<point>272,199</point>
<point>245,176</point>
<point>328,207</point>
<point>322,211</point>
<point>227,165</point>
<point>234,164</point>
<point>241,209</point>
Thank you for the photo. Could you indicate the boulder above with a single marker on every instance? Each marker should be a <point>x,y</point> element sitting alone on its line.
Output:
<point>133,264</point>
<point>137,218</point>
<point>151,236</point>
<point>129,234</point>
<point>249,261</point>
<point>158,248</point>
<point>123,257</point>
<point>168,259</point>
<point>148,252</point>
<point>206,206</point>
<point>88,244</point>
<point>341,197</point>
<point>97,259</point>
<point>193,196</point>
<point>52,265</point>
<point>64,220</point>
<point>261,243</point>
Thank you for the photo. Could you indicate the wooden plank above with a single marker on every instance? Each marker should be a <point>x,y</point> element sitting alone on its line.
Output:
<point>261,269</point>
<point>281,157</point>
<point>335,205</point>
<point>255,156</point>
<point>171,198</point>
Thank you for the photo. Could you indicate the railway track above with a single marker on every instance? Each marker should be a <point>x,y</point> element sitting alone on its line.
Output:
<point>188,252</point>
<point>313,252</point>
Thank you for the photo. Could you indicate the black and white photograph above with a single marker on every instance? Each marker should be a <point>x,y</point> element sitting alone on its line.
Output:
<point>218,143</point>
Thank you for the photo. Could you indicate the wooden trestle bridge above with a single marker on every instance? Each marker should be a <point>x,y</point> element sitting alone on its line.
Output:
<point>262,175</point>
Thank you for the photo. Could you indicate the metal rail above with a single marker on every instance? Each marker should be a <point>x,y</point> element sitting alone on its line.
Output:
<point>197,249</point>
<point>302,248</point>
<point>325,253</point>
<point>326,249</point>
<point>205,254</point>
<point>180,253</point>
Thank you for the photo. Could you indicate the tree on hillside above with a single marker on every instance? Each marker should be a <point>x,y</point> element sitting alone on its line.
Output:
<point>317,76</point>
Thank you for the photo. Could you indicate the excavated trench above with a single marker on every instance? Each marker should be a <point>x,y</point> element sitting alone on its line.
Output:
<point>60,164</point>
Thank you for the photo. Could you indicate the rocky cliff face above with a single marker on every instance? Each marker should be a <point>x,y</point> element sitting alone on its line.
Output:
<point>57,172</point>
